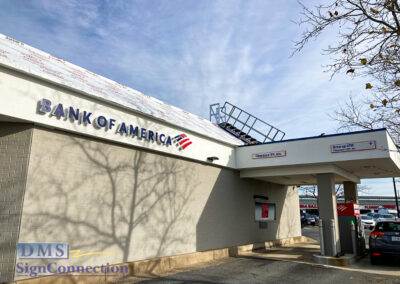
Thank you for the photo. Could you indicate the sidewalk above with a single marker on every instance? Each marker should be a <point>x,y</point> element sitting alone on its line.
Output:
<point>295,255</point>
<point>302,253</point>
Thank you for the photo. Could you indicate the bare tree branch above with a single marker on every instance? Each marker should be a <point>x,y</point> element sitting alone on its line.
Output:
<point>312,190</point>
<point>367,46</point>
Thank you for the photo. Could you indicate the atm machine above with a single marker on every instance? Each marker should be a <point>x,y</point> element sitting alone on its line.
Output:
<point>351,230</point>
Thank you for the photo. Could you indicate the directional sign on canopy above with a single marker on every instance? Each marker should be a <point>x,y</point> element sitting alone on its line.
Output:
<point>275,154</point>
<point>353,146</point>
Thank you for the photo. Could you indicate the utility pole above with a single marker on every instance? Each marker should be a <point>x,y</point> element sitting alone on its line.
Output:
<point>395,196</point>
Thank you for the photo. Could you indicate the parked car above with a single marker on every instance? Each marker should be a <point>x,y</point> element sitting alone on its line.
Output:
<point>368,222</point>
<point>387,211</point>
<point>316,217</point>
<point>376,216</point>
<point>385,217</point>
<point>384,240</point>
<point>310,220</point>
<point>307,219</point>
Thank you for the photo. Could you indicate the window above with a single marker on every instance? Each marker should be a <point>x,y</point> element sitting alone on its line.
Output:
<point>388,227</point>
<point>366,217</point>
<point>387,216</point>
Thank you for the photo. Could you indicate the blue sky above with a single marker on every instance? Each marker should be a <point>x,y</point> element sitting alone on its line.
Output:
<point>193,53</point>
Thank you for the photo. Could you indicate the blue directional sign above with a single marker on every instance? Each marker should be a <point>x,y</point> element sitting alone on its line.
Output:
<point>353,146</point>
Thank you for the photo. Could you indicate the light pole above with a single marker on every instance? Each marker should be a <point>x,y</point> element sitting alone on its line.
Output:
<point>395,196</point>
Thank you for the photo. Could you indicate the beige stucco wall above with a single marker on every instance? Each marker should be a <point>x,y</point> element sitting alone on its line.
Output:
<point>137,205</point>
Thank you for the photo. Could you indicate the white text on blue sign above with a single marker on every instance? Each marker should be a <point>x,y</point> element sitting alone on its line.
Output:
<point>354,146</point>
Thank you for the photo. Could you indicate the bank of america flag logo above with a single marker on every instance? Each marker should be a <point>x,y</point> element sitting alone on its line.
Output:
<point>182,141</point>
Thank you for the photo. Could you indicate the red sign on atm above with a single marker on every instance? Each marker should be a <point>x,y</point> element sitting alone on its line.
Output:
<point>348,209</point>
<point>264,211</point>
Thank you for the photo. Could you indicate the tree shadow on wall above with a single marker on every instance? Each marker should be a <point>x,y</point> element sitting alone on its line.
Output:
<point>228,218</point>
<point>102,197</point>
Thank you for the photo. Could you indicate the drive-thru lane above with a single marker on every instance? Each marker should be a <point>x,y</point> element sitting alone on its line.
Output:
<point>289,264</point>
<point>254,270</point>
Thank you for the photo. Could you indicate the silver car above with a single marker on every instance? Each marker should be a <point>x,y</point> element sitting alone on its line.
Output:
<point>368,222</point>
<point>385,217</point>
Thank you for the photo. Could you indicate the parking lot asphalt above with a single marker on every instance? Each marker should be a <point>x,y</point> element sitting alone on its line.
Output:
<point>387,267</point>
<point>290,264</point>
<point>255,270</point>
<point>311,232</point>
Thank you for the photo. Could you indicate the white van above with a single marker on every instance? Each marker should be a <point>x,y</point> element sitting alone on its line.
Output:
<point>387,211</point>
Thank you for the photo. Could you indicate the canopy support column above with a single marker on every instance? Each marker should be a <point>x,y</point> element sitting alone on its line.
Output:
<point>327,212</point>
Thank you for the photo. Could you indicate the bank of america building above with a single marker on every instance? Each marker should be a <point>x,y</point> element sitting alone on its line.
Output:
<point>121,177</point>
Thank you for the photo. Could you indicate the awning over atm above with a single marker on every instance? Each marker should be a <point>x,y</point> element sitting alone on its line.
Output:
<point>349,156</point>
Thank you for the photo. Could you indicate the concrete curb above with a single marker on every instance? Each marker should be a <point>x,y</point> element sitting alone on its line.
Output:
<point>345,260</point>
<point>157,266</point>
